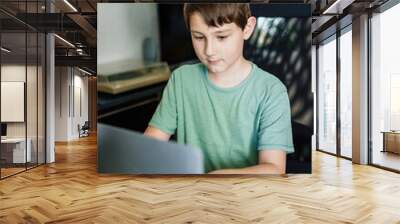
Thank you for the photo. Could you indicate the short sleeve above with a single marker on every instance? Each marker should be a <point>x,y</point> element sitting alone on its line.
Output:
<point>275,130</point>
<point>165,116</point>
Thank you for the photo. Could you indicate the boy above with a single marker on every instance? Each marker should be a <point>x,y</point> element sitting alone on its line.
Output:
<point>238,114</point>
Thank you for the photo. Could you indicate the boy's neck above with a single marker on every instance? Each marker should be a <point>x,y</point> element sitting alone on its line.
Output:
<point>232,76</point>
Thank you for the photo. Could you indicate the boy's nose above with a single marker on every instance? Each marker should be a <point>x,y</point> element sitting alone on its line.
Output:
<point>209,49</point>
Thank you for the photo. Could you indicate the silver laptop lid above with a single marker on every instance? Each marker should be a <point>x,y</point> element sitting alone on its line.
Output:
<point>124,151</point>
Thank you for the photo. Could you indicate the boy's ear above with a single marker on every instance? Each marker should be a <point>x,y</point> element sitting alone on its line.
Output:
<point>249,28</point>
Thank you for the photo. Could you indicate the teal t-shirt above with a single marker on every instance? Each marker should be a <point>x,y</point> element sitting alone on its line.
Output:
<point>230,125</point>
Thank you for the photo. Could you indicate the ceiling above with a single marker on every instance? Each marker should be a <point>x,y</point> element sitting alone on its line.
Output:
<point>76,22</point>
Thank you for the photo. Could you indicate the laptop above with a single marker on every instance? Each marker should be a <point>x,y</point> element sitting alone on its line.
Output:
<point>125,151</point>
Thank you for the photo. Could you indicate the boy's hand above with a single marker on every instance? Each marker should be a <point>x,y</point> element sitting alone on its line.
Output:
<point>157,133</point>
<point>270,162</point>
<point>224,171</point>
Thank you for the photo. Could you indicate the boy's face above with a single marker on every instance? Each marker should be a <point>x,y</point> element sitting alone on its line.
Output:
<point>218,47</point>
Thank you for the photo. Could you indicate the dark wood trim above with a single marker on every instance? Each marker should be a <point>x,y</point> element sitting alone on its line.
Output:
<point>385,168</point>
<point>333,154</point>
<point>330,153</point>
<point>22,171</point>
<point>338,92</point>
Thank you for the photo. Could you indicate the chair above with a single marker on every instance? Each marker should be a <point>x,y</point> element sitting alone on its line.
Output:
<point>84,130</point>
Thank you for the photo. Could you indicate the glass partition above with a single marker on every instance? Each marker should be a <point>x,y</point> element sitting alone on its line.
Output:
<point>14,153</point>
<point>346,93</point>
<point>23,87</point>
<point>31,99</point>
<point>41,86</point>
<point>327,95</point>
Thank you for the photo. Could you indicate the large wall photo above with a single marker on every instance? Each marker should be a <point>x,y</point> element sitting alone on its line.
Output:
<point>151,42</point>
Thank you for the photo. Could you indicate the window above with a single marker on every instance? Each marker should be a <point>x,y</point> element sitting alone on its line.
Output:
<point>346,93</point>
<point>385,88</point>
<point>327,95</point>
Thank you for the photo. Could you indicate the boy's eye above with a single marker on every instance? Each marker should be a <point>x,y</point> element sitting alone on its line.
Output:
<point>198,37</point>
<point>222,37</point>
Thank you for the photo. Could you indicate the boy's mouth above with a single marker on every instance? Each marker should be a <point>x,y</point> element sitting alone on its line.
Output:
<point>213,62</point>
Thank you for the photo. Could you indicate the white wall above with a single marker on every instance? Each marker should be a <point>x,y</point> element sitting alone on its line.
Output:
<point>80,84</point>
<point>69,82</point>
<point>12,100</point>
<point>121,29</point>
<point>33,126</point>
<point>15,72</point>
<point>61,103</point>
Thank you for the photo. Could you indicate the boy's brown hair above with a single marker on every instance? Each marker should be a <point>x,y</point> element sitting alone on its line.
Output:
<point>217,14</point>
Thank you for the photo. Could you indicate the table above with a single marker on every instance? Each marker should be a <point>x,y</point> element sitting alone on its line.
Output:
<point>17,150</point>
<point>391,141</point>
<point>108,104</point>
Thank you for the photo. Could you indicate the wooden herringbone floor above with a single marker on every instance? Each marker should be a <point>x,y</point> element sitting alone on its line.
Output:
<point>70,191</point>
